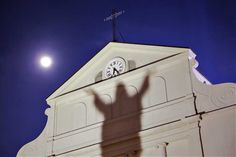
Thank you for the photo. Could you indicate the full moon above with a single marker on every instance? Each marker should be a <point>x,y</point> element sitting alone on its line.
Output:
<point>46,61</point>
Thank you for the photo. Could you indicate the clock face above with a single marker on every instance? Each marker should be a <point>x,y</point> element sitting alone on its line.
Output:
<point>115,67</point>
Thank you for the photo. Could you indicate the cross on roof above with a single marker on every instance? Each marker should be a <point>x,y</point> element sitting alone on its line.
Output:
<point>113,17</point>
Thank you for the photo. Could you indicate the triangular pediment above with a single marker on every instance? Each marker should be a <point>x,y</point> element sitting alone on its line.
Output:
<point>135,56</point>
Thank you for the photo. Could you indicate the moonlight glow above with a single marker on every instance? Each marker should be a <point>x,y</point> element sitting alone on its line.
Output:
<point>46,61</point>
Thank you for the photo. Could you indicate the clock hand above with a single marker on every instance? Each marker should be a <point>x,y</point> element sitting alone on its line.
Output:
<point>117,71</point>
<point>113,71</point>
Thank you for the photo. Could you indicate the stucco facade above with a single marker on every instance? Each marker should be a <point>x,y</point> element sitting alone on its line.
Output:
<point>159,106</point>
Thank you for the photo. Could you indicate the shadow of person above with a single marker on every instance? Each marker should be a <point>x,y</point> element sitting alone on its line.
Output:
<point>129,106</point>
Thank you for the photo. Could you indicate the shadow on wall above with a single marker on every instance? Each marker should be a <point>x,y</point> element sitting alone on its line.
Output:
<point>127,105</point>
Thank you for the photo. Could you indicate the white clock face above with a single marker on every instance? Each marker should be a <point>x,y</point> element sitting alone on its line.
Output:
<point>115,67</point>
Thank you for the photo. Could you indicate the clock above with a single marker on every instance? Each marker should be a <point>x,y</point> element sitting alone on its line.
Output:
<point>115,67</point>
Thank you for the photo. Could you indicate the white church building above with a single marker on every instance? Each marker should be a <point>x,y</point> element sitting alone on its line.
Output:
<point>133,100</point>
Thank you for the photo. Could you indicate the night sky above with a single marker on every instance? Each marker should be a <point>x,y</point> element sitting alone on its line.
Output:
<point>72,32</point>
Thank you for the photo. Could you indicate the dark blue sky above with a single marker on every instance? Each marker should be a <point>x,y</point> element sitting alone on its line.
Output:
<point>74,31</point>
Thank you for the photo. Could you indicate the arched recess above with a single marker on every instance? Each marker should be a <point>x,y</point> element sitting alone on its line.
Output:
<point>70,117</point>
<point>105,114</point>
<point>157,93</point>
<point>127,100</point>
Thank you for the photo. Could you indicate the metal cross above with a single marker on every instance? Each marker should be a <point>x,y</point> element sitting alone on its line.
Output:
<point>113,17</point>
